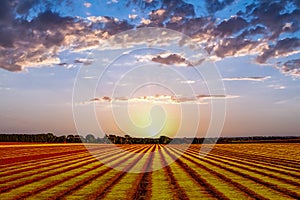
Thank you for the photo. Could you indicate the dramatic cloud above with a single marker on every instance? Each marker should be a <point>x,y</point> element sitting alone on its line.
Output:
<point>32,33</point>
<point>84,61</point>
<point>102,99</point>
<point>172,59</point>
<point>233,25</point>
<point>39,41</point>
<point>291,67</point>
<point>247,78</point>
<point>168,59</point>
<point>164,99</point>
<point>284,47</point>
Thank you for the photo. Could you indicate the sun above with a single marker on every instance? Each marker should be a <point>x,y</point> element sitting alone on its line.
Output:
<point>154,120</point>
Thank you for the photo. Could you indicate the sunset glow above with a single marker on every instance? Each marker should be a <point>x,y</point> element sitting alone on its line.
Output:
<point>152,60</point>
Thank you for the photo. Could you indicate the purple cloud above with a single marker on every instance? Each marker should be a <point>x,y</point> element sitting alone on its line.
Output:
<point>258,30</point>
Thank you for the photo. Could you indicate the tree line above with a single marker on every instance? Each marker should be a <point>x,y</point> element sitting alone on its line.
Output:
<point>90,138</point>
<point>108,139</point>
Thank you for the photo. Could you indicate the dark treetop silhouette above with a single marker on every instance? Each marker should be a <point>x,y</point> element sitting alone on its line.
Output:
<point>108,139</point>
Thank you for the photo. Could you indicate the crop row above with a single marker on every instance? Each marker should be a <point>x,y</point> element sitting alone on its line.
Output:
<point>224,173</point>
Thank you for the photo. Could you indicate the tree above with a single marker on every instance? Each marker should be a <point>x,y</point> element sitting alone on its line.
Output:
<point>50,137</point>
<point>106,140</point>
<point>128,139</point>
<point>99,140</point>
<point>70,139</point>
<point>112,138</point>
<point>61,139</point>
<point>90,138</point>
<point>77,139</point>
<point>82,139</point>
<point>164,140</point>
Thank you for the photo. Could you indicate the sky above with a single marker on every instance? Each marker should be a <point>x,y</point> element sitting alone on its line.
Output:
<point>147,68</point>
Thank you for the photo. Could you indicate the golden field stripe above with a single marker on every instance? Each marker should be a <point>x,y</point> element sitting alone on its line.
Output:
<point>178,192</point>
<point>267,159</point>
<point>38,177</point>
<point>239,191</point>
<point>238,171</point>
<point>160,180</point>
<point>278,190</point>
<point>205,178</point>
<point>101,194</point>
<point>27,167</point>
<point>290,171</point>
<point>49,162</point>
<point>38,170</point>
<point>128,184</point>
<point>290,179</point>
<point>66,185</point>
<point>254,159</point>
<point>91,184</point>
<point>193,188</point>
<point>260,165</point>
<point>144,182</point>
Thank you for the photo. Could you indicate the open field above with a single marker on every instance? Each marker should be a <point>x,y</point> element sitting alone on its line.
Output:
<point>229,171</point>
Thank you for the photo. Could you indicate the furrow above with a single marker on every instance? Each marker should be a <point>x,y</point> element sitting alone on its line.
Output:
<point>144,182</point>
<point>285,177</point>
<point>277,161</point>
<point>93,183</point>
<point>235,186</point>
<point>45,162</point>
<point>252,159</point>
<point>205,179</point>
<point>38,177</point>
<point>177,190</point>
<point>274,189</point>
<point>108,188</point>
<point>66,184</point>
